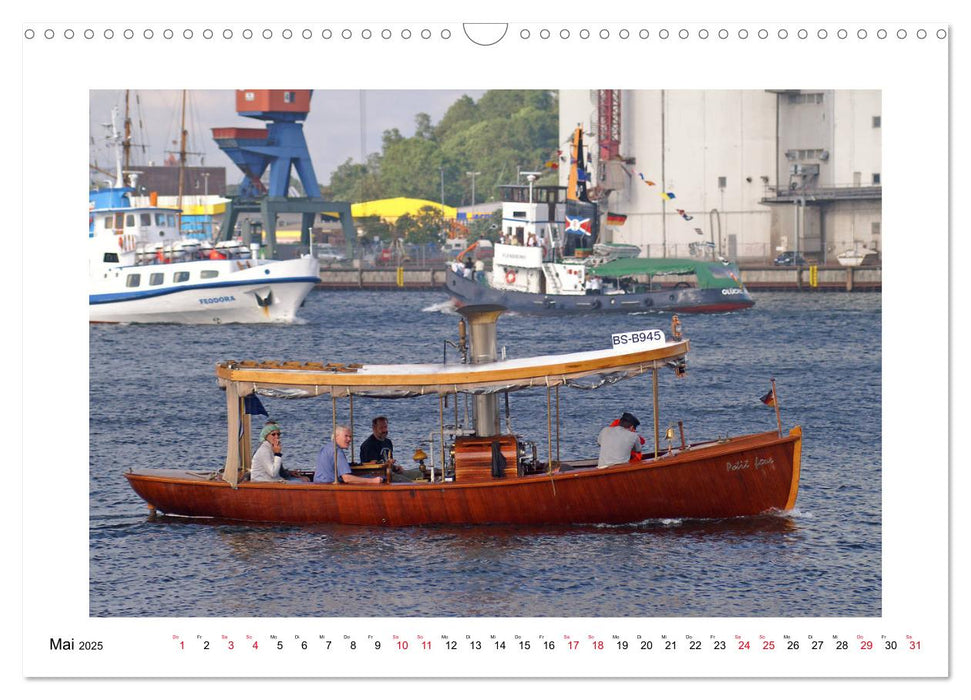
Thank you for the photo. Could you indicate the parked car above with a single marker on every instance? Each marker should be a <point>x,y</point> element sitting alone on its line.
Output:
<point>328,253</point>
<point>789,258</point>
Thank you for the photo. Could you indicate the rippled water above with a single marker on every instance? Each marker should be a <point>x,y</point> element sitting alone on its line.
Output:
<point>155,403</point>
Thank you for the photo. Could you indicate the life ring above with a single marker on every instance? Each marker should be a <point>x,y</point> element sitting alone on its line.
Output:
<point>510,276</point>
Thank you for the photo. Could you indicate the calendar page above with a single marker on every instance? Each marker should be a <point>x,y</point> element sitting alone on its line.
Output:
<point>289,205</point>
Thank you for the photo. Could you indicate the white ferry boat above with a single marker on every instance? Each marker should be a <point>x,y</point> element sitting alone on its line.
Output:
<point>142,271</point>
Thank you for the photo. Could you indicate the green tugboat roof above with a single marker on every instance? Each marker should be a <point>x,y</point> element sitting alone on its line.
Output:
<point>710,274</point>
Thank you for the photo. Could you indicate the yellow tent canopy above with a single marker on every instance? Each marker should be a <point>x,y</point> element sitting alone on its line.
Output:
<point>398,206</point>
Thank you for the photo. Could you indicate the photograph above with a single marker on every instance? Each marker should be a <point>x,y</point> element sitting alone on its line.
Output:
<point>490,480</point>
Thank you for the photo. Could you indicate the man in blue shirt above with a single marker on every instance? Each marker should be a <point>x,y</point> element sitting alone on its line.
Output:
<point>324,474</point>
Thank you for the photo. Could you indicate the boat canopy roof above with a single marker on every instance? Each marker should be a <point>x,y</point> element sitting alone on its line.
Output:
<point>587,370</point>
<point>714,274</point>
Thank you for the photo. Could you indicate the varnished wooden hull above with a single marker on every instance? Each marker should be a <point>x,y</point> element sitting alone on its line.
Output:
<point>740,477</point>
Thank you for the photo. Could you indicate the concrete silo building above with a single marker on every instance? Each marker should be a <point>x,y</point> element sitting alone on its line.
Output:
<point>752,172</point>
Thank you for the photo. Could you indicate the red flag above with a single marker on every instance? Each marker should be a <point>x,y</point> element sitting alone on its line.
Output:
<point>769,399</point>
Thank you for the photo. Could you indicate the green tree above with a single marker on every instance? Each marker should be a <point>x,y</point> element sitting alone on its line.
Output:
<point>505,132</point>
<point>423,127</point>
<point>375,226</point>
<point>462,114</point>
<point>487,227</point>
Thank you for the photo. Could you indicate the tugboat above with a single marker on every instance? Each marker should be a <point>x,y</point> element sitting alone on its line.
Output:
<point>550,262</point>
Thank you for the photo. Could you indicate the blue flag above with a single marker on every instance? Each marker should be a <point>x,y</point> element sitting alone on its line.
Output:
<point>253,406</point>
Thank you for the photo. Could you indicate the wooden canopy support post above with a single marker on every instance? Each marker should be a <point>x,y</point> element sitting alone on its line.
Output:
<point>246,439</point>
<point>549,428</point>
<point>441,427</point>
<point>557,424</point>
<point>333,433</point>
<point>350,422</point>
<point>656,417</point>
<point>233,410</point>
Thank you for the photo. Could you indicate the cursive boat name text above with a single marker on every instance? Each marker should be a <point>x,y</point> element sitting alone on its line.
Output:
<point>217,300</point>
<point>742,464</point>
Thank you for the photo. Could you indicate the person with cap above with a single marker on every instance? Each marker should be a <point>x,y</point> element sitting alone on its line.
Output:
<point>635,454</point>
<point>618,442</point>
<point>267,463</point>
<point>331,458</point>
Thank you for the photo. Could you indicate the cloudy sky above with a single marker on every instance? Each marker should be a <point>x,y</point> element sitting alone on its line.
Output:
<point>333,128</point>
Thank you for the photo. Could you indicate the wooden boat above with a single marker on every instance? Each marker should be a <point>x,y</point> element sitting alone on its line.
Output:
<point>480,475</point>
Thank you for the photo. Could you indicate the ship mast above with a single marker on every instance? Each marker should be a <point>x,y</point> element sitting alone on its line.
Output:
<point>182,135</point>
<point>126,142</point>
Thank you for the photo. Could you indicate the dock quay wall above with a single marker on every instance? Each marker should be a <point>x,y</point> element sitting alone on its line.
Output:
<point>824,279</point>
<point>381,278</point>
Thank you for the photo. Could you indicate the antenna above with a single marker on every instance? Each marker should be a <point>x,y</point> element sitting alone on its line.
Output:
<point>531,176</point>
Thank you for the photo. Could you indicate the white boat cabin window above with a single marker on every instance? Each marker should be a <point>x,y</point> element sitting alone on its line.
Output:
<point>133,280</point>
<point>111,257</point>
<point>129,220</point>
<point>156,279</point>
<point>180,276</point>
<point>108,220</point>
<point>209,274</point>
<point>145,219</point>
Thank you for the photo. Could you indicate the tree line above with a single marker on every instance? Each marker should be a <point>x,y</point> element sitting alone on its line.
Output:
<point>504,132</point>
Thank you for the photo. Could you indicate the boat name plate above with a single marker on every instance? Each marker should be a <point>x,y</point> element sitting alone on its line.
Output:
<point>651,337</point>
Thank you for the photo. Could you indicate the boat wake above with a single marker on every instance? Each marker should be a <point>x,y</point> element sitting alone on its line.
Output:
<point>445,307</point>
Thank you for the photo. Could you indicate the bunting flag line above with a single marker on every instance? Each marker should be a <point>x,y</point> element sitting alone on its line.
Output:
<point>699,232</point>
<point>667,195</point>
<point>616,219</point>
<point>646,181</point>
<point>684,216</point>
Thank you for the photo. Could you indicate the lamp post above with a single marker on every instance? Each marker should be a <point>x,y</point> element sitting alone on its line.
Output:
<point>472,174</point>
<point>441,172</point>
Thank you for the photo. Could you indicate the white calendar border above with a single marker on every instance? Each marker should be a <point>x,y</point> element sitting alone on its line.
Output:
<point>915,515</point>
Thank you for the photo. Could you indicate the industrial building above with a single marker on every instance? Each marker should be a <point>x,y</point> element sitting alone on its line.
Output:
<point>749,173</point>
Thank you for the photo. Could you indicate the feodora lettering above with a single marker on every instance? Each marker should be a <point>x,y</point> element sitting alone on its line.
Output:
<point>217,300</point>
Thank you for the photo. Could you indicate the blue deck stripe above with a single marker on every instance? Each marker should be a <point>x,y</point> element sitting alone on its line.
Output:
<point>163,291</point>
